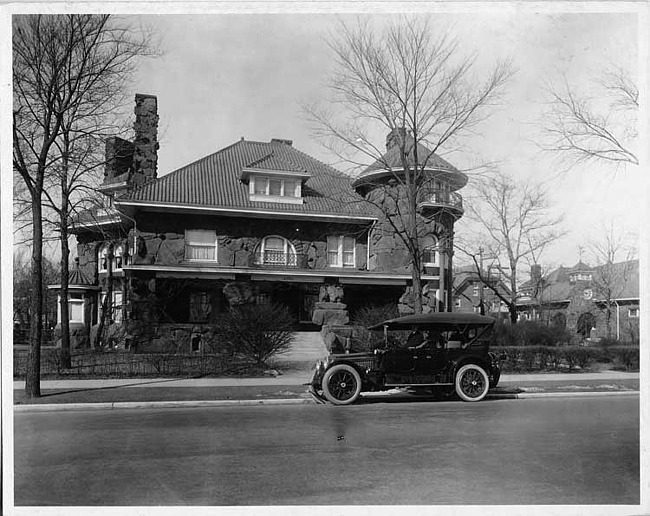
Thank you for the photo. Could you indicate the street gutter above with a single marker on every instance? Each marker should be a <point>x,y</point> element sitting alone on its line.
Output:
<point>54,407</point>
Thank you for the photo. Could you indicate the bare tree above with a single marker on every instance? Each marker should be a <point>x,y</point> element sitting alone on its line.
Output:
<point>409,79</point>
<point>601,128</point>
<point>610,278</point>
<point>515,227</point>
<point>64,67</point>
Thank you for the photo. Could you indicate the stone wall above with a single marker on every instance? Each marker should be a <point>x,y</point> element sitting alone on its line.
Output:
<point>177,338</point>
<point>161,239</point>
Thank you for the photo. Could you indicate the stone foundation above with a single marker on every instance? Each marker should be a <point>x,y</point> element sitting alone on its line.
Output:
<point>79,337</point>
<point>179,339</point>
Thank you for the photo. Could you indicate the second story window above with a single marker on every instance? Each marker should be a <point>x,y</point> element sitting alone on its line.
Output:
<point>118,258</point>
<point>340,251</point>
<point>200,245</point>
<point>430,251</point>
<point>275,250</point>
<point>102,259</point>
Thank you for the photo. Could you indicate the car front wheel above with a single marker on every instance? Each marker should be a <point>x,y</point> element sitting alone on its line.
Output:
<point>472,383</point>
<point>341,384</point>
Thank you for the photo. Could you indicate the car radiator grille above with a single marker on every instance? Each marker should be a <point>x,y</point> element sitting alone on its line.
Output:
<point>366,364</point>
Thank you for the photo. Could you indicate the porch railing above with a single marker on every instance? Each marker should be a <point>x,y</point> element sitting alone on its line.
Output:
<point>441,198</point>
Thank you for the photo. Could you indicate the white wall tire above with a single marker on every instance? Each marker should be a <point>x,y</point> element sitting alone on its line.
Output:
<point>341,384</point>
<point>472,383</point>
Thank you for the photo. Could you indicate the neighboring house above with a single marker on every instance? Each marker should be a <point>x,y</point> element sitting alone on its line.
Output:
<point>255,222</point>
<point>580,297</point>
<point>470,292</point>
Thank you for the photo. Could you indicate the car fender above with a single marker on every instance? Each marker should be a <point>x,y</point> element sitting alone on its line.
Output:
<point>351,363</point>
<point>479,361</point>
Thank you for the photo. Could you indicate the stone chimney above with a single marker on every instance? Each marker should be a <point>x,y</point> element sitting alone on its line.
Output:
<point>145,143</point>
<point>398,137</point>
<point>283,141</point>
<point>131,164</point>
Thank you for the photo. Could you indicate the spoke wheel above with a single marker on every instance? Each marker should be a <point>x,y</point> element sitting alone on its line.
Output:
<point>341,384</point>
<point>472,383</point>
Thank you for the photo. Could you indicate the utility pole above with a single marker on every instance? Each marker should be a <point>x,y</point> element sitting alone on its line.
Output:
<point>481,301</point>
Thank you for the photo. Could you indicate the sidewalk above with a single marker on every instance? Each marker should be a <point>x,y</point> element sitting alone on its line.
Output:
<point>288,388</point>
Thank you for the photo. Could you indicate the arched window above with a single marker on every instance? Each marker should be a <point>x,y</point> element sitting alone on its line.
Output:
<point>118,257</point>
<point>430,253</point>
<point>102,258</point>
<point>275,250</point>
<point>586,322</point>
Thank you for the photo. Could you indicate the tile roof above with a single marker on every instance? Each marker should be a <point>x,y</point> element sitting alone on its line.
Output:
<point>273,162</point>
<point>393,159</point>
<point>214,181</point>
<point>622,278</point>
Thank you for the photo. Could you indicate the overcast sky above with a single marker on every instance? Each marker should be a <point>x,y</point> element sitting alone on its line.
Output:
<point>226,76</point>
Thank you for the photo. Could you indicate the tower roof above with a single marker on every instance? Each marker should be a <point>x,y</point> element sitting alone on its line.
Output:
<point>391,162</point>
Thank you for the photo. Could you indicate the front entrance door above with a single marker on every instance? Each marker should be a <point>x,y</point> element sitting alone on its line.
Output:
<point>307,302</point>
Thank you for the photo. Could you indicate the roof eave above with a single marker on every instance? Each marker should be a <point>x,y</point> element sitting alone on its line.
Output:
<point>132,206</point>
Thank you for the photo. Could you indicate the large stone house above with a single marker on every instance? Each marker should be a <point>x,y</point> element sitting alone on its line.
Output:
<point>255,222</point>
<point>590,302</point>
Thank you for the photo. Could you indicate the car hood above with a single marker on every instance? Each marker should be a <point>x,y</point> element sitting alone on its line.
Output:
<point>353,356</point>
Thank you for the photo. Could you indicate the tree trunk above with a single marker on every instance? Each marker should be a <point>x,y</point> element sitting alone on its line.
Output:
<point>513,313</point>
<point>65,257</point>
<point>412,231</point>
<point>33,370</point>
<point>65,307</point>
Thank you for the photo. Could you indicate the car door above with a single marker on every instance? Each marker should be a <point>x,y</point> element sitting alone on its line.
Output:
<point>399,361</point>
<point>430,359</point>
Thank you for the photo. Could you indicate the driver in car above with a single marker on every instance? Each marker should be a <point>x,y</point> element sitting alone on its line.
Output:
<point>419,340</point>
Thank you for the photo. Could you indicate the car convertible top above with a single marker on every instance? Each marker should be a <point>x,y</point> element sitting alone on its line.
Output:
<point>434,318</point>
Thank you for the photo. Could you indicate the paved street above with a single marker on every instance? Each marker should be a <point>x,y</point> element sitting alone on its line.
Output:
<point>542,451</point>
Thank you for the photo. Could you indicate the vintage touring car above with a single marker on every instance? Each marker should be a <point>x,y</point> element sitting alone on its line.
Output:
<point>445,352</point>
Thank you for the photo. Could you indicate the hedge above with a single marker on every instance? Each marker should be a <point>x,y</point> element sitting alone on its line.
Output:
<point>544,358</point>
<point>127,364</point>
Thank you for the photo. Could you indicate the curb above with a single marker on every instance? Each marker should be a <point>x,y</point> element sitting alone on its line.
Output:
<point>53,407</point>
<point>533,395</point>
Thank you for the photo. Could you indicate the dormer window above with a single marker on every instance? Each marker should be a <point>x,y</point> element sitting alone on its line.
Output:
<point>272,189</point>
<point>274,178</point>
<point>580,276</point>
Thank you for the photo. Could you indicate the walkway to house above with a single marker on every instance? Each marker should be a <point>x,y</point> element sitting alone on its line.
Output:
<point>307,347</point>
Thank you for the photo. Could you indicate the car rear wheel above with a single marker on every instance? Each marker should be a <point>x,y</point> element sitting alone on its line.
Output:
<point>472,383</point>
<point>341,384</point>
